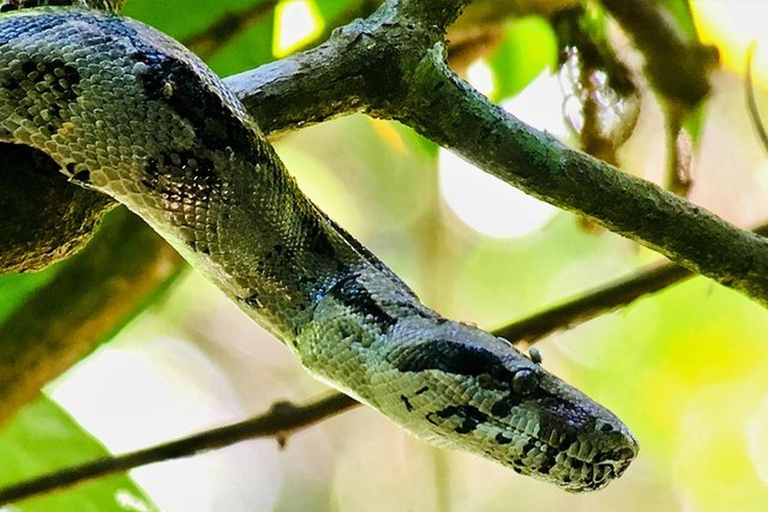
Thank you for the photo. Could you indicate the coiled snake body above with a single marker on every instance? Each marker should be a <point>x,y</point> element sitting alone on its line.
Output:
<point>127,111</point>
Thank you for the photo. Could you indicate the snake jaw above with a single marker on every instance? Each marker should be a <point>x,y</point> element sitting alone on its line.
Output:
<point>496,402</point>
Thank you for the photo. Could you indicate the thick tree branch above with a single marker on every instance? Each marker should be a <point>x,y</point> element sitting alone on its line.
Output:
<point>385,60</point>
<point>535,162</point>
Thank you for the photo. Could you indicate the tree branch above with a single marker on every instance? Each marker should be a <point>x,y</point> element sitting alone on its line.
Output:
<point>500,144</point>
<point>281,420</point>
<point>95,294</point>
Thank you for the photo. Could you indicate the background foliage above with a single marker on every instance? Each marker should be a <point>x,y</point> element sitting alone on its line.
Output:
<point>685,369</point>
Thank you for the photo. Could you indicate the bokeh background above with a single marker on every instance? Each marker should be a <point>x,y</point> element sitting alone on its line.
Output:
<point>687,369</point>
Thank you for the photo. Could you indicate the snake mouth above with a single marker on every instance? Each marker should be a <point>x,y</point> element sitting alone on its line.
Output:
<point>590,476</point>
<point>576,475</point>
<point>589,462</point>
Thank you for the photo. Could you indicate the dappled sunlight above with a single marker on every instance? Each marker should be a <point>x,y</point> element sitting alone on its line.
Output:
<point>480,76</point>
<point>757,439</point>
<point>487,204</point>
<point>732,25</point>
<point>296,23</point>
<point>131,399</point>
<point>484,202</point>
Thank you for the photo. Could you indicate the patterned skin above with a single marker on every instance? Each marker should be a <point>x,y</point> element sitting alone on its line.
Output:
<point>129,112</point>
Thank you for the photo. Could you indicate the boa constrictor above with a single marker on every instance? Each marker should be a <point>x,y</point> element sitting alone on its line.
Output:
<point>127,111</point>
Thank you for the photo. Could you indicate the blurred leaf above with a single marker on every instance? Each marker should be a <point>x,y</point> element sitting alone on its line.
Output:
<point>15,288</point>
<point>43,438</point>
<point>681,13</point>
<point>694,123</point>
<point>330,9</point>
<point>423,147</point>
<point>182,18</point>
<point>528,48</point>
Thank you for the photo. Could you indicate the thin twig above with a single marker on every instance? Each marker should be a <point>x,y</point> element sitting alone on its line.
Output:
<point>597,302</point>
<point>677,66</point>
<point>752,109</point>
<point>592,304</point>
<point>679,175</point>
<point>282,419</point>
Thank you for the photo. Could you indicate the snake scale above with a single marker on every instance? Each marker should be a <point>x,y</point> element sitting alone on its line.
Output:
<point>127,111</point>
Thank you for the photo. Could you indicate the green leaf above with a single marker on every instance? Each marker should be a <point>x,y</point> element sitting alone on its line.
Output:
<point>529,47</point>
<point>43,438</point>
<point>681,13</point>
<point>694,123</point>
<point>680,10</point>
<point>331,9</point>
<point>15,288</point>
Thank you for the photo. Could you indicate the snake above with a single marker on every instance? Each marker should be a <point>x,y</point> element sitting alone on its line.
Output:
<point>127,111</point>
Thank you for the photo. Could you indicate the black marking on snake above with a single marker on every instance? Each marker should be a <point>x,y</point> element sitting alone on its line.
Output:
<point>172,174</point>
<point>253,301</point>
<point>214,123</point>
<point>606,427</point>
<point>529,446</point>
<point>567,439</point>
<point>547,464</point>
<point>189,96</point>
<point>82,177</point>
<point>422,390</point>
<point>471,416</point>
<point>503,407</point>
<point>502,439</point>
<point>407,403</point>
<point>455,358</point>
<point>354,295</point>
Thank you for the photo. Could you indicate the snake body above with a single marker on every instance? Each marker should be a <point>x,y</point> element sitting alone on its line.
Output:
<point>127,111</point>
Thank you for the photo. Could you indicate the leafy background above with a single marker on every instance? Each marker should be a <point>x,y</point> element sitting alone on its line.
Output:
<point>685,369</point>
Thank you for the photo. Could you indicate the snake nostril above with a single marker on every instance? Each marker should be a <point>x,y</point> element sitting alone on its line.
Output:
<point>606,427</point>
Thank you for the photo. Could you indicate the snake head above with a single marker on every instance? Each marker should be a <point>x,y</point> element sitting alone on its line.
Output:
<point>457,386</point>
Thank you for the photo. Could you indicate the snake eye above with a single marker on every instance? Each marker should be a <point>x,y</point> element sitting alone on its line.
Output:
<point>525,382</point>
